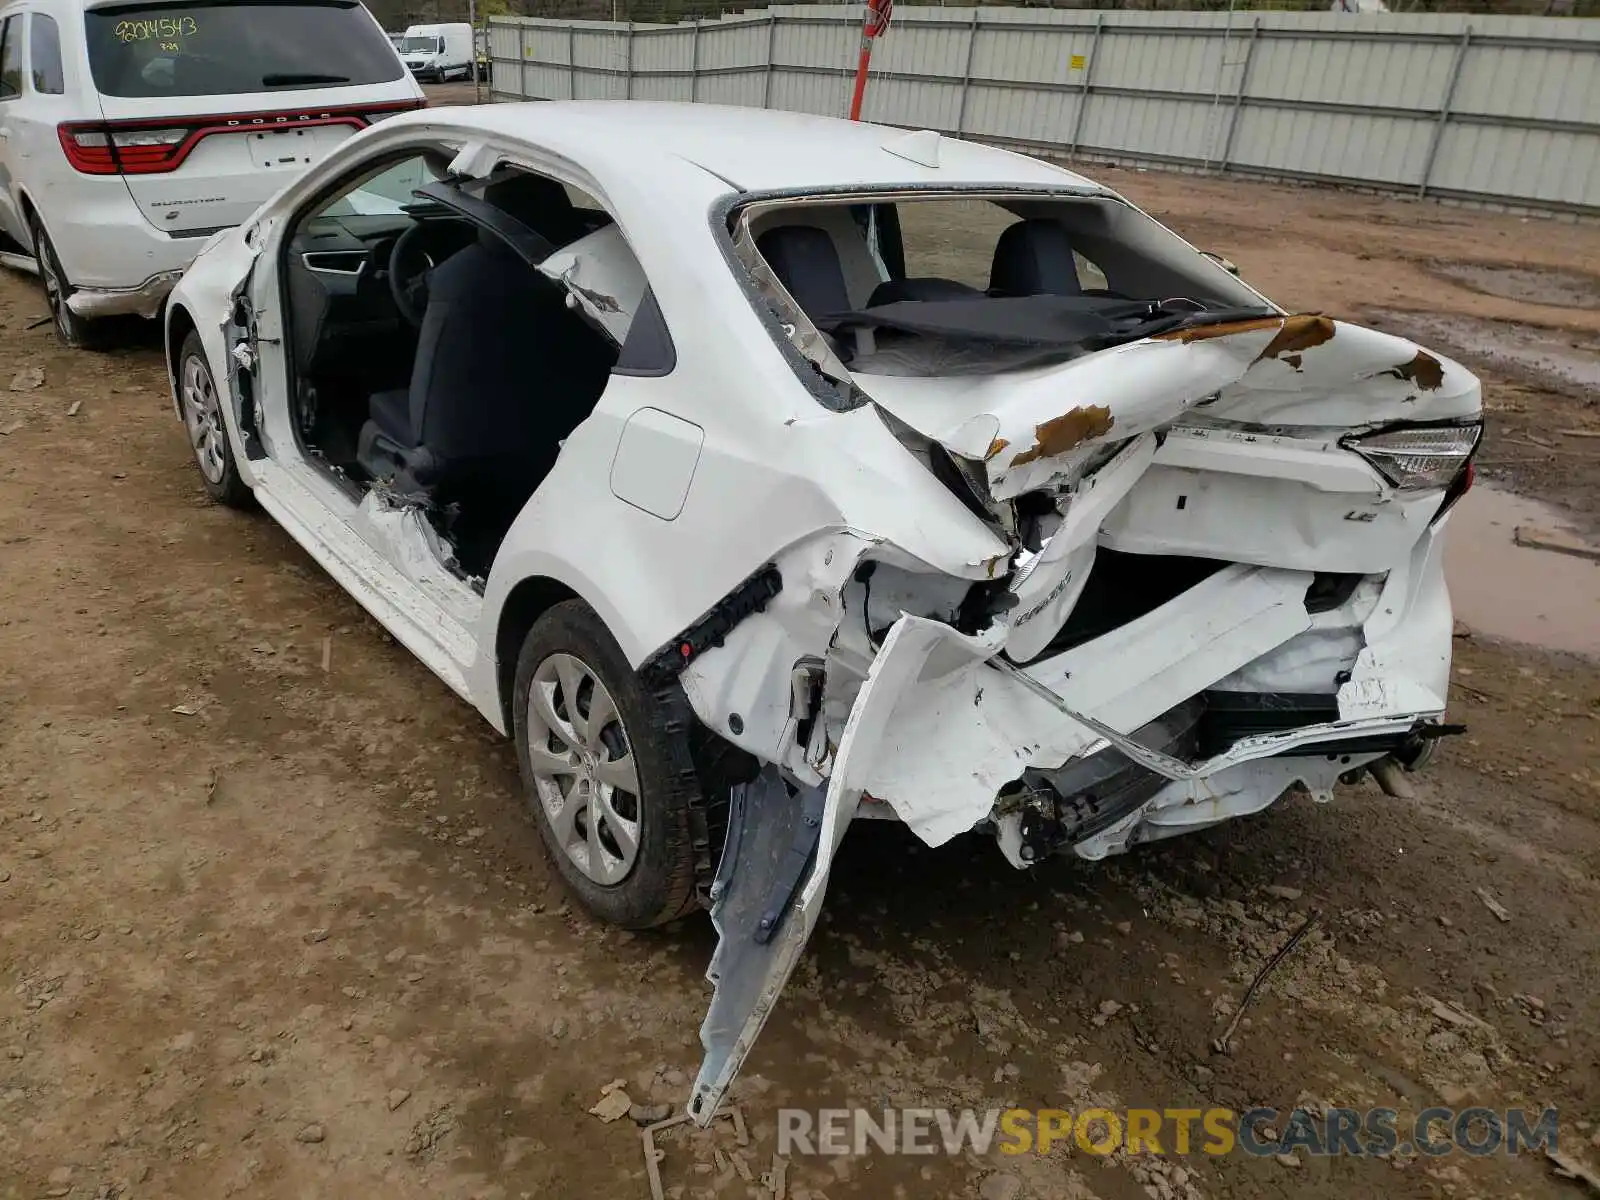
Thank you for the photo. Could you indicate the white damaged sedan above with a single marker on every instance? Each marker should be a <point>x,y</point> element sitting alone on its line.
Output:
<point>687,445</point>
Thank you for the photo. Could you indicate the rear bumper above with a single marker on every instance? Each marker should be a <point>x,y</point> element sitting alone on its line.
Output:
<point>114,259</point>
<point>145,300</point>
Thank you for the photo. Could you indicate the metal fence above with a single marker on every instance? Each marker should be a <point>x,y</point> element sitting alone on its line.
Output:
<point>1502,111</point>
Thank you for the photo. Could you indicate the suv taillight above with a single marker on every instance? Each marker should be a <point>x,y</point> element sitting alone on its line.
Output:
<point>88,148</point>
<point>155,147</point>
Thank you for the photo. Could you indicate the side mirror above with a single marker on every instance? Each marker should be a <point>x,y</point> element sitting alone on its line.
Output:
<point>1226,264</point>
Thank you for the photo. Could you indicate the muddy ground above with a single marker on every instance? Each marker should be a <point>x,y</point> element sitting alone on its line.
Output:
<point>272,922</point>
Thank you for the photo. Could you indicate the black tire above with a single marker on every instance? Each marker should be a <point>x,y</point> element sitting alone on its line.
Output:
<point>672,863</point>
<point>72,329</point>
<point>227,487</point>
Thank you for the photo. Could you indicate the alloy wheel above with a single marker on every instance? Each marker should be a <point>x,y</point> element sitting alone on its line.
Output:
<point>583,768</point>
<point>202,417</point>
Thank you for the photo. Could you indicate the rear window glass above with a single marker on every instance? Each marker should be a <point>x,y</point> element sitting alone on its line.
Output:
<point>220,49</point>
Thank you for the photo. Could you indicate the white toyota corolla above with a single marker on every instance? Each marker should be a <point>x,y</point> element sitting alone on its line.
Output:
<point>758,472</point>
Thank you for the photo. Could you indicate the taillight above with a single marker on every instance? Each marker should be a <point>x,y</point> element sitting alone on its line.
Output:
<point>99,148</point>
<point>155,147</point>
<point>381,112</point>
<point>88,149</point>
<point>1418,458</point>
<point>1461,486</point>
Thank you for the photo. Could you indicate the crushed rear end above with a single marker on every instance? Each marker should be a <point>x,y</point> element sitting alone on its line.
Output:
<point>1220,579</point>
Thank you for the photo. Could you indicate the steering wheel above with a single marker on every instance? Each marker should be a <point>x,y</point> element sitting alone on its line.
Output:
<point>409,264</point>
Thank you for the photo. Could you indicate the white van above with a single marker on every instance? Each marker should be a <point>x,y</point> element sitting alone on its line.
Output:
<point>130,133</point>
<point>438,52</point>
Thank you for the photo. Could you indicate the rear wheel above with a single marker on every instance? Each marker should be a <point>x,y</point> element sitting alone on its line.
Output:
<point>201,406</point>
<point>607,773</point>
<point>72,329</point>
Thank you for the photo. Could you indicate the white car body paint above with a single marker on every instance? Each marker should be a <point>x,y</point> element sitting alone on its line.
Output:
<point>1227,442</point>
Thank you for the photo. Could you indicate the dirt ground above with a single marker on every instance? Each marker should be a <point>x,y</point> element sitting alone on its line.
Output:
<point>273,923</point>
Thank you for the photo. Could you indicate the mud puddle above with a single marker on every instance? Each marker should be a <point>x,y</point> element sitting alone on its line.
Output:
<point>1566,361</point>
<point>1530,285</point>
<point>1537,596</point>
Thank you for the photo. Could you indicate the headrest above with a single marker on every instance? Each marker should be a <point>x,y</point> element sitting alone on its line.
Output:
<point>1034,258</point>
<point>806,262</point>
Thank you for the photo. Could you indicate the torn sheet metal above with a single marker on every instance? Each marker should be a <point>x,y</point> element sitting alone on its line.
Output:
<point>1298,370</point>
<point>603,278</point>
<point>942,723</point>
<point>749,973</point>
<point>1238,791</point>
<point>1048,588</point>
<point>956,738</point>
<point>402,533</point>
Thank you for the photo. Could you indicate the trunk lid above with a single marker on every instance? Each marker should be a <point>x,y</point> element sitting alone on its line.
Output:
<point>1221,442</point>
<point>1037,428</point>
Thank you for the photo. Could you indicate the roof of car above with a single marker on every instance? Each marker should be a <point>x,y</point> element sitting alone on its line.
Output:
<point>753,149</point>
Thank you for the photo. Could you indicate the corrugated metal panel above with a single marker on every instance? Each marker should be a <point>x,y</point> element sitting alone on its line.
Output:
<point>1504,109</point>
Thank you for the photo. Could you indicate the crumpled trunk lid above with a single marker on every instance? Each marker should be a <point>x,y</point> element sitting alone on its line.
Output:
<point>1036,428</point>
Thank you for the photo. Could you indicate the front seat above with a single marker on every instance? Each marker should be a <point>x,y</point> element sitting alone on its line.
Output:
<point>503,372</point>
<point>1034,258</point>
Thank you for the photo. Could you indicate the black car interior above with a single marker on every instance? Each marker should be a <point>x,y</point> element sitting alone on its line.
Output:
<point>1035,307</point>
<point>1033,257</point>
<point>433,358</point>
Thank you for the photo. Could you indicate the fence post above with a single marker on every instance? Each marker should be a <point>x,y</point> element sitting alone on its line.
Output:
<point>1083,92</point>
<point>1238,94</point>
<point>572,62</point>
<point>627,82</point>
<point>966,74</point>
<point>772,46</point>
<point>1444,111</point>
<point>522,63</point>
<point>694,64</point>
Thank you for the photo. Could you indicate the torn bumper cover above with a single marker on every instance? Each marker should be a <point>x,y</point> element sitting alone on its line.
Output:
<point>1147,729</point>
<point>944,722</point>
<point>142,301</point>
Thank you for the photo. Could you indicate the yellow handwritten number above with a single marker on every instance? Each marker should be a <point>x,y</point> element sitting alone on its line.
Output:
<point>156,28</point>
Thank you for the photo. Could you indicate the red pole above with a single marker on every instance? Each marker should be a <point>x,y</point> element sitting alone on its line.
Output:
<point>861,77</point>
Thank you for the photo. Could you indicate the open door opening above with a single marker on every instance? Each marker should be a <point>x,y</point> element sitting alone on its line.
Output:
<point>437,364</point>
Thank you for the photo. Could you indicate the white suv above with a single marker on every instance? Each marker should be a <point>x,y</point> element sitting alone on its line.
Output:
<point>130,133</point>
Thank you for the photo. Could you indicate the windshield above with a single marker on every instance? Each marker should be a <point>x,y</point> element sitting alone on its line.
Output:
<point>421,45</point>
<point>929,284</point>
<point>222,48</point>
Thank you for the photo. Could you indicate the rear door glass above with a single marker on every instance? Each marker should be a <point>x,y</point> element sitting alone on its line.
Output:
<point>44,53</point>
<point>223,48</point>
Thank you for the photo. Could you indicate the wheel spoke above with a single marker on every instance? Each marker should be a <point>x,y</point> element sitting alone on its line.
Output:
<point>543,762</point>
<point>618,773</point>
<point>600,865</point>
<point>540,700</point>
<point>571,674</point>
<point>602,711</point>
<point>626,836</point>
<point>564,817</point>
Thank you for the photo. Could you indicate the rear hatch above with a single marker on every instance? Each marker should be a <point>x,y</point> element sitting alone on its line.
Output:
<point>210,108</point>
